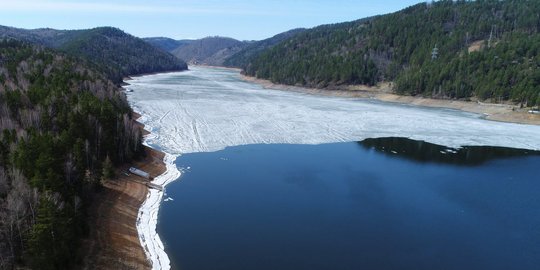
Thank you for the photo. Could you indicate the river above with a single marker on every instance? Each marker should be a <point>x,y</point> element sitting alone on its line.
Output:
<point>224,131</point>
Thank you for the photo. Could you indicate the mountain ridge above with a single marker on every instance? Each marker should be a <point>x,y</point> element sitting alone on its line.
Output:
<point>241,58</point>
<point>167,44</point>
<point>113,51</point>
<point>209,50</point>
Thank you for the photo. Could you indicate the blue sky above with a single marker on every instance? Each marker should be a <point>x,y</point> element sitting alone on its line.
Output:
<point>240,19</point>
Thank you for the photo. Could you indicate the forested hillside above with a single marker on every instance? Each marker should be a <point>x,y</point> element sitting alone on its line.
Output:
<point>209,50</point>
<point>445,49</point>
<point>111,50</point>
<point>167,44</point>
<point>64,126</point>
<point>120,54</point>
<point>241,58</point>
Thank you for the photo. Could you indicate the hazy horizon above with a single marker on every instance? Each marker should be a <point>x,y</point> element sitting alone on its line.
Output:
<point>190,19</point>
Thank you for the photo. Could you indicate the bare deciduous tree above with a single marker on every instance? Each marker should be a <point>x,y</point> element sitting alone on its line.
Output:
<point>3,182</point>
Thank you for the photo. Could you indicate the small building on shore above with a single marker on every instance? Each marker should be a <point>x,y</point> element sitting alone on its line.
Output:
<point>140,173</point>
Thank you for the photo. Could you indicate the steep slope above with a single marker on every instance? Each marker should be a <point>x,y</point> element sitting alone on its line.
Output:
<point>167,44</point>
<point>242,58</point>
<point>63,126</point>
<point>120,54</point>
<point>114,52</point>
<point>209,51</point>
<point>446,49</point>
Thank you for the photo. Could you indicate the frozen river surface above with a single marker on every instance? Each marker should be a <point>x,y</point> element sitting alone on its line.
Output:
<point>208,109</point>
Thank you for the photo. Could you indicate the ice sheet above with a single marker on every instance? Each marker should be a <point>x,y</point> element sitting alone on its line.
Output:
<point>208,109</point>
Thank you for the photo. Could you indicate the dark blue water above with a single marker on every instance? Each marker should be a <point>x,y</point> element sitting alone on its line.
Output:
<point>378,204</point>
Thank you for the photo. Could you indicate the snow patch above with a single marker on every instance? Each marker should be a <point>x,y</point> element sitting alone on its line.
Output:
<point>148,215</point>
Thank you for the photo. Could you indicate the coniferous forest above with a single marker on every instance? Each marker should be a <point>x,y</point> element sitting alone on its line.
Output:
<point>446,49</point>
<point>63,127</point>
<point>108,49</point>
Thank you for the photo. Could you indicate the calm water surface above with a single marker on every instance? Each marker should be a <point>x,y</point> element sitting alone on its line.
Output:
<point>378,204</point>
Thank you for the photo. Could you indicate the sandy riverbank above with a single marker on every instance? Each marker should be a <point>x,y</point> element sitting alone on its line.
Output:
<point>495,112</point>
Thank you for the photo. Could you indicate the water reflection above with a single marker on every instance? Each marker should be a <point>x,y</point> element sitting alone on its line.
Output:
<point>428,152</point>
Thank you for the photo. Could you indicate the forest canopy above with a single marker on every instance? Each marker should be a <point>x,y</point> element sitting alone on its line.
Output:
<point>446,49</point>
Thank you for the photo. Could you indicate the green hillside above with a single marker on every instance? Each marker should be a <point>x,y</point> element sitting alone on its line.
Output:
<point>112,51</point>
<point>119,54</point>
<point>167,44</point>
<point>241,58</point>
<point>64,126</point>
<point>446,49</point>
<point>209,50</point>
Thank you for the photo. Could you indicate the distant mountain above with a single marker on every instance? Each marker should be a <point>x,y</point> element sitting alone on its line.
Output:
<point>210,50</point>
<point>47,37</point>
<point>242,58</point>
<point>114,52</point>
<point>442,49</point>
<point>167,44</point>
<point>218,51</point>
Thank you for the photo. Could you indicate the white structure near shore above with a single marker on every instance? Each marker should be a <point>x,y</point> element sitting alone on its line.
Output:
<point>140,173</point>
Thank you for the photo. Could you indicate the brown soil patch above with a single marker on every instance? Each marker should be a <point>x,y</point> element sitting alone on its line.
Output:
<point>114,241</point>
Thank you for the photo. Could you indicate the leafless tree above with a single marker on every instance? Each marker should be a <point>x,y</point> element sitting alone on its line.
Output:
<point>3,182</point>
<point>30,118</point>
<point>17,214</point>
<point>69,169</point>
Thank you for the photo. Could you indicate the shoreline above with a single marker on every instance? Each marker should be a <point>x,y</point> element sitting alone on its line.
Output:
<point>124,214</point>
<point>220,67</point>
<point>147,216</point>
<point>114,239</point>
<point>489,111</point>
<point>130,77</point>
<point>147,250</point>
